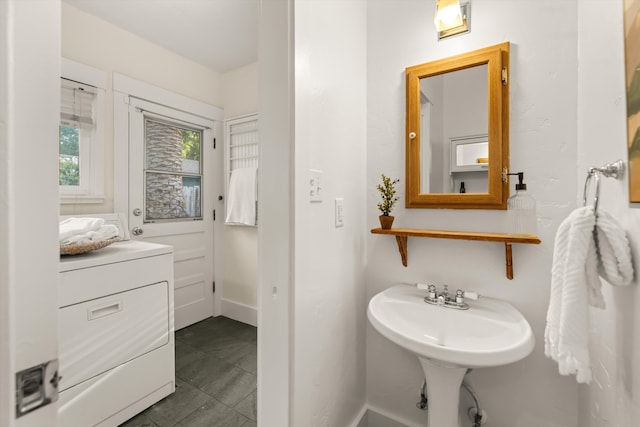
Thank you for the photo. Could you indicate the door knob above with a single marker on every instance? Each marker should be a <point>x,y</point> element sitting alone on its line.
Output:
<point>137,212</point>
<point>137,231</point>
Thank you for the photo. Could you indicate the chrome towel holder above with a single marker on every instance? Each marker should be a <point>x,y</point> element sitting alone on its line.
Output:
<point>609,170</point>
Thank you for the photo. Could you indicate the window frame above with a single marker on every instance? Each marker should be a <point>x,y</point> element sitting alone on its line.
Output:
<point>92,158</point>
<point>188,125</point>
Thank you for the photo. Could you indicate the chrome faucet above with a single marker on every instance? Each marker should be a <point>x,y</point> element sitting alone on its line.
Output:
<point>443,299</point>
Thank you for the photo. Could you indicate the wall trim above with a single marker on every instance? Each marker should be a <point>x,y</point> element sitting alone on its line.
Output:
<point>371,416</point>
<point>240,312</point>
<point>361,418</point>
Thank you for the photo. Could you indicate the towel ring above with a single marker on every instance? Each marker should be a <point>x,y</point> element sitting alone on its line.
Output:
<point>596,176</point>
<point>609,170</point>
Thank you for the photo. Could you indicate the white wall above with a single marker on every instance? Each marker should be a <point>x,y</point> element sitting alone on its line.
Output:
<point>240,91</point>
<point>543,85</point>
<point>95,42</point>
<point>330,135</point>
<point>612,397</point>
<point>240,96</point>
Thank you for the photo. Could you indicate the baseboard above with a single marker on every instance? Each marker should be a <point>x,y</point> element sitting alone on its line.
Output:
<point>361,419</point>
<point>240,312</point>
<point>371,416</point>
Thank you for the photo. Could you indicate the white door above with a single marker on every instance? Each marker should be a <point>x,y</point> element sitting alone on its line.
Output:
<point>171,191</point>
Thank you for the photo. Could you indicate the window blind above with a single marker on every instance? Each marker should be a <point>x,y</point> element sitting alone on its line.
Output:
<point>77,104</point>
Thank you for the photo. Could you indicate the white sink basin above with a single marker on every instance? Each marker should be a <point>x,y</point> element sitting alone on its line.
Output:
<point>490,333</point>
<point>448,341</point>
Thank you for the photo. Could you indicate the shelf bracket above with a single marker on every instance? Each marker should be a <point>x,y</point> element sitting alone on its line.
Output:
<point>402,247</point>
<point>509,260</point>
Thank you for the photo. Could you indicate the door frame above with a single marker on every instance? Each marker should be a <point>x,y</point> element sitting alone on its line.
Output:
<point>123,88</point>
<point>30,40</point>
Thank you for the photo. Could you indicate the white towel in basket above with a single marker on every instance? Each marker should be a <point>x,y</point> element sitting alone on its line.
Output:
<point>85,230</point>
<point>77,226</point>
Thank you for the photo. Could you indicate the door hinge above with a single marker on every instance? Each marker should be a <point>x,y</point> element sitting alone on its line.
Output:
<point>214,214</point>
<point>214,143</point>
<point>214,287</point>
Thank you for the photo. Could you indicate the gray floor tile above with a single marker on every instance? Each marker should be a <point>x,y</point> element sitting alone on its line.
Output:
<point>185,355</point>
<point>201,370</point>
<point>216,365</point>
<point>178,405</point>
<point>219,327</point>
<point>248,406</point>
<point>214,413</point>
<point>249,361</point>
<point>231,386</point>
<point>223,346</point>
<point>232,353</point>
<point>140,420</point>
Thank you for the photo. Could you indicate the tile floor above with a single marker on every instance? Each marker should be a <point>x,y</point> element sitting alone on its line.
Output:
<point>216,365</point>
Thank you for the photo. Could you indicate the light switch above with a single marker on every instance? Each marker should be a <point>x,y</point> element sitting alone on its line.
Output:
<point>339,212</point>
<point>315,185</point>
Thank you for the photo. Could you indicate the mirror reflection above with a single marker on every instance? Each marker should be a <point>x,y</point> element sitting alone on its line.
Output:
<point>454,141</point>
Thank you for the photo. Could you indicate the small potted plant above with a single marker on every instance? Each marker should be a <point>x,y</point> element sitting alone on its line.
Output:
<point>388,194</point>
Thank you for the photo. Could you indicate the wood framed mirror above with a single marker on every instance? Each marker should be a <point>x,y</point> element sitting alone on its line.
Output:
<point>457,133</point>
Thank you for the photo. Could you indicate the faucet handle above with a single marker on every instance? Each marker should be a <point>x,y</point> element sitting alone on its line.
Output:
<point>431,289</point>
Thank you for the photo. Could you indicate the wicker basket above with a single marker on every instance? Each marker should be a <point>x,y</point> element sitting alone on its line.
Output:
<point>80,248</point>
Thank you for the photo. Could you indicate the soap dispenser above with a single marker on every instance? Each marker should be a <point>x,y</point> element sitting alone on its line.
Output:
<point>521,209</point>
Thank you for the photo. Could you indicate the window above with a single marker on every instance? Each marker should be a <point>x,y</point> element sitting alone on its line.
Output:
<point>173,170</point>
<point>77,128</point>
<point>241,151</point>
<point>81,159</point>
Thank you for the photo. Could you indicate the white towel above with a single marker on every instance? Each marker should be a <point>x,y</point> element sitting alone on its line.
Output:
<point>577,260</point>
<point>77,226</point>
<point>615,264</point>
<point>574,283</point>
<point>241,202</point>
<point>106,232</point>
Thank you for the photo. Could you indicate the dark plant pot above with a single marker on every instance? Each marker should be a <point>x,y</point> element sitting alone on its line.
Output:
<point>386,221</point>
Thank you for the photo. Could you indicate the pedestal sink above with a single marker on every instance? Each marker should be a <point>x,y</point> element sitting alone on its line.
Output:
<point>448,341</point>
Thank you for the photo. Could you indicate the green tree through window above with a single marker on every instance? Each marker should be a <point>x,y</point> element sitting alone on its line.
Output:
<point>69,155</point>
<point>191,144</point>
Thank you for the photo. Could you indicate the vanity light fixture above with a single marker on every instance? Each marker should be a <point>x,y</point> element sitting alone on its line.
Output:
<point>451,18</point>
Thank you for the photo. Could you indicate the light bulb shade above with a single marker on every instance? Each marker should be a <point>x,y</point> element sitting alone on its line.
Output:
<point>448,15</point>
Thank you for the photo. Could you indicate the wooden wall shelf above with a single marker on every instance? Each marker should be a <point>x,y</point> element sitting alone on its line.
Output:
<point>402,234</point>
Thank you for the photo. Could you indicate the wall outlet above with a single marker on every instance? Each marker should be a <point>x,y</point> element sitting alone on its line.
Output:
<point>339,212</point>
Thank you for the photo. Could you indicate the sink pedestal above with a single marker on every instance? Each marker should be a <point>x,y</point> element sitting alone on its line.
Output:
<point>443,391</point>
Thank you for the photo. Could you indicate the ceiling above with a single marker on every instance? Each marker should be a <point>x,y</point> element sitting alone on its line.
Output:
<point>219,34</point>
